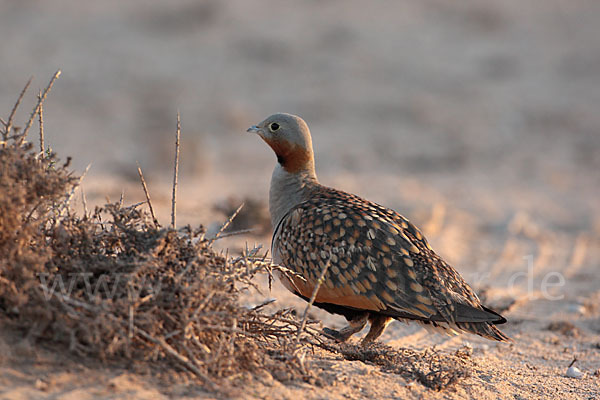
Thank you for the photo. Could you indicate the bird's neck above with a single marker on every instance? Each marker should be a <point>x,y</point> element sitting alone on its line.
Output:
<point>290,189</point>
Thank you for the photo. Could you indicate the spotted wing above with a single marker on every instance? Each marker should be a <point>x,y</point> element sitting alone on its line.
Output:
<point>376,259</point>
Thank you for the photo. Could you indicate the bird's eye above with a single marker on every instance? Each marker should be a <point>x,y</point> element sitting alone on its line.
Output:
<point>274,126</point>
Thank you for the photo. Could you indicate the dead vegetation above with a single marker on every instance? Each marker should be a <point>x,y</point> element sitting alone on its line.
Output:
<point>116,286</point>
<point>431,368</point>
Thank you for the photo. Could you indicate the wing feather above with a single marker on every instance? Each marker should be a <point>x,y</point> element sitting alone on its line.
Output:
<point>377,259</point>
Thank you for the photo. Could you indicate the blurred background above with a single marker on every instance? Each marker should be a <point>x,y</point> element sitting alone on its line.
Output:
<point>478,120</point>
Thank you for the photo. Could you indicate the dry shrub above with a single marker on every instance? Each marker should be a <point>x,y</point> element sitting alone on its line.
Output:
<point>114,286</point>
<point>147,293</point>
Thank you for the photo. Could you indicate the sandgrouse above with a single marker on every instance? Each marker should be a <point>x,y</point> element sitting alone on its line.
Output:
<point>379,265</point>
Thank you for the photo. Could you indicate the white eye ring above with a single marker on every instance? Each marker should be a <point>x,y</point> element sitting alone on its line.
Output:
<point>273,126</point>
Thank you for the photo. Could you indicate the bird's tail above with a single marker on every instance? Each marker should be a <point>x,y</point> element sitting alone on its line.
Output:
<point>485,329</point>
<point>480,321</point>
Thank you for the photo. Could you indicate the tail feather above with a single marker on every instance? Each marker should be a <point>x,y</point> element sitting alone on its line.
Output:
<point>483,329</point>
<point>500,320</point>
<point>468,313</point>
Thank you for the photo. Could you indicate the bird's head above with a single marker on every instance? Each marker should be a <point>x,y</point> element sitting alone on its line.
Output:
<point>289,137</point>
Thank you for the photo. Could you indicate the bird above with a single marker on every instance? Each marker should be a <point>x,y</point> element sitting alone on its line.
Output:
<point>377,265</point>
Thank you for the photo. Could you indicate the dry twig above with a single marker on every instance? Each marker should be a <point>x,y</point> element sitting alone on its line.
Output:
<point>8,125</point>
<point>156,224</point>
<point>41,120</point>
<point>37,107</point>
<point>229,234</point>
<point>226,224</point>
<point>175,173</point>
<point>83,202</point>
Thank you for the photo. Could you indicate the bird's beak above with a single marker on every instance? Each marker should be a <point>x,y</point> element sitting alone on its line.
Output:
<point>254,129</point>
<point>259,131</point>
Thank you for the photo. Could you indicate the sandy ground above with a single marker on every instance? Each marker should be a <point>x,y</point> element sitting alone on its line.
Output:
<point>478,120</point>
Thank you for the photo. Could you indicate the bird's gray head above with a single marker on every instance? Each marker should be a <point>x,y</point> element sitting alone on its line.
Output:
<point>289,137</point>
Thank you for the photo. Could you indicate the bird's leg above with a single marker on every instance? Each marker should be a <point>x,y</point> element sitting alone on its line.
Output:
<point>355,324</point>
<point>378,324</point>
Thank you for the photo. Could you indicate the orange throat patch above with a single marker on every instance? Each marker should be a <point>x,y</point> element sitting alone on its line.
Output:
<point>292,157</point>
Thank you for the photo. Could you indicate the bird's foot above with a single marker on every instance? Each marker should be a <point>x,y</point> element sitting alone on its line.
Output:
<point>355,325</point>
<point>336,335</point>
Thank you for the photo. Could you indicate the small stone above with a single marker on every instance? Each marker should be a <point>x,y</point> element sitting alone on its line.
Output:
<point>41,385</point>
<point>577,309</point>
<point>574,372</point>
